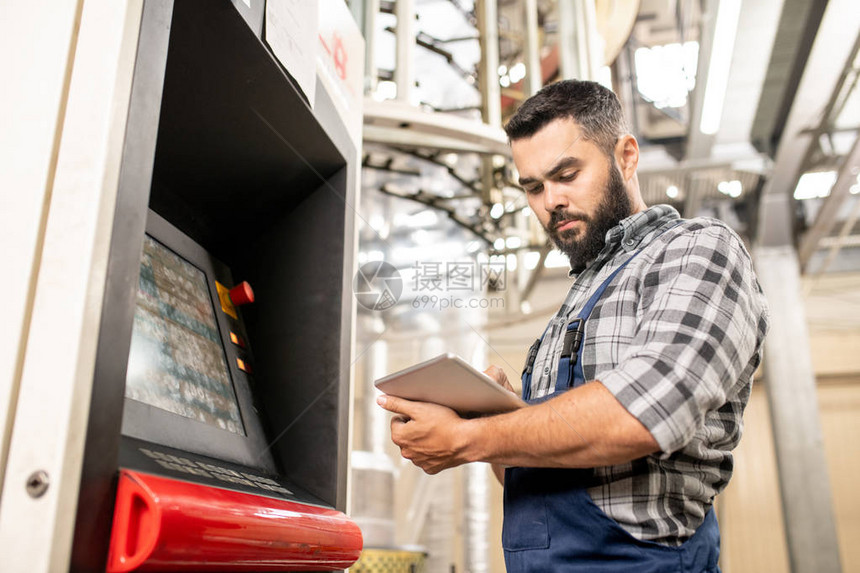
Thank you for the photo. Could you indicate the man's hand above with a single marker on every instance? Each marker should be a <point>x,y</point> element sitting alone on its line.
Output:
<point>500,377</point>
<point>431,436</point>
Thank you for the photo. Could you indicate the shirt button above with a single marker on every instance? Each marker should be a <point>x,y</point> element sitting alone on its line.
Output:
<point>546,369</point>
<point>629,242</point>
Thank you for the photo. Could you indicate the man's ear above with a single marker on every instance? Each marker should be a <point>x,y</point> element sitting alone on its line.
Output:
<point>627,155</point>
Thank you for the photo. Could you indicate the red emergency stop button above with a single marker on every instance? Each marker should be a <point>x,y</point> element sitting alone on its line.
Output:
<point>242,294</point>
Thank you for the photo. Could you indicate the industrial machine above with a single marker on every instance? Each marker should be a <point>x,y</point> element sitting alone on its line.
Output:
<point>218,420</point>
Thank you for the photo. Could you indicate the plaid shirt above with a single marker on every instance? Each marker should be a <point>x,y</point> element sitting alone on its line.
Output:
<point>676,338</point>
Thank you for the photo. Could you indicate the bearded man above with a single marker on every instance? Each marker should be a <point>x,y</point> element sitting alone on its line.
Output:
<point>638,384</point>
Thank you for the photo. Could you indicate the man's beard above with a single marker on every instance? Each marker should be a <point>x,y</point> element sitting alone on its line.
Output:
<point>582,247</point>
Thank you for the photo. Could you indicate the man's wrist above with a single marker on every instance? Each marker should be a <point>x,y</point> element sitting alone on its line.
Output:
<point>475,440</point>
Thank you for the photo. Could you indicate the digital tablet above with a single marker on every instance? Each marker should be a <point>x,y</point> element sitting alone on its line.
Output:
<point>450,381</point>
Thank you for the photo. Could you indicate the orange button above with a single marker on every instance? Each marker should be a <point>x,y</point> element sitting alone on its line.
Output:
<point>237,340</point>
<point>243,366</point>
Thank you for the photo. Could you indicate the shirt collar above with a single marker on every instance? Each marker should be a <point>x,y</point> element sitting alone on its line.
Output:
<point>630,232</point>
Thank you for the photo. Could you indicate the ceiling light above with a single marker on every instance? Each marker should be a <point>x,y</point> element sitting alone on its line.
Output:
<point>814,185</point>
<point>722,49</point>
<point>422,237</point>
<point>518,72</point>
<point>672,191</point>
<point>497,211</point>
<point>732,188</point>
<point>665,74</point>
<point>424,218</point>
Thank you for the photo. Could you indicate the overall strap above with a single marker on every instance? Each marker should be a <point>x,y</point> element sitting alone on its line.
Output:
<point>570,372</point>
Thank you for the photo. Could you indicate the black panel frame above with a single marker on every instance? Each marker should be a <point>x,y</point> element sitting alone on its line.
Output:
<point>102,442</point>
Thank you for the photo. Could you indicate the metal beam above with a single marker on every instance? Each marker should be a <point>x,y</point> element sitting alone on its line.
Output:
<point>534,77</point>
<point>491,91</point>
<point>491,94</point>
<point>476,517</point>
<point>579,56</point>
<point>832,47</point>
<point>699,144</point>
<point>692,195</point>
<point>536,274</point>
<point>796,30</point>
<point>810,525</point>
<point>804,485</point>
<point>588,38</point>
<point>841,240</point>
<point>826,218</point>
<point>569,63</point>
<point>364,12</point>
<point>404,68</point>
<point>396,123</point>
<point>755,163</point>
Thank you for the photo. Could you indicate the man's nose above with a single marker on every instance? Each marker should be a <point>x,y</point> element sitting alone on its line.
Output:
<point>554,196</point>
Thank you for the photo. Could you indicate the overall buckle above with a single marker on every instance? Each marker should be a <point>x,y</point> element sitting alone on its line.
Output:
<point>573,338</point>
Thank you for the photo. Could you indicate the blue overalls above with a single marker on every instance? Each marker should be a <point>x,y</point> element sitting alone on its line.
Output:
<point>551,523</point>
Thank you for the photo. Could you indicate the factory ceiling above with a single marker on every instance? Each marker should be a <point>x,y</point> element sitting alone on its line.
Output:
<point>790,108</point>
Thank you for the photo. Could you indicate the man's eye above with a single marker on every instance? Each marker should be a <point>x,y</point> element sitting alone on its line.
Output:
<point>568,176</point>
<point>534,190</point>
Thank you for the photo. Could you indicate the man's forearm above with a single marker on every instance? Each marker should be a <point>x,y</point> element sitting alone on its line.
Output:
<point>585,427</point>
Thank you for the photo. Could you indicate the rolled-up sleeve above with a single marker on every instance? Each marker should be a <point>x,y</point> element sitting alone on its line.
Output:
<point>700,323</point>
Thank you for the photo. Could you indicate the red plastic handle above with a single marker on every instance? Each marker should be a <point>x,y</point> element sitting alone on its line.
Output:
<point>136,525</point>
<point>161,524</point>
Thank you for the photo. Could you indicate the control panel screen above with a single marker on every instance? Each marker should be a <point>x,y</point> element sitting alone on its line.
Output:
<point>177,360</point>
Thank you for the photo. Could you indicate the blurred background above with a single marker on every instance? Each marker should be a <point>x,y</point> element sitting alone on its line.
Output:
<point>745,110</point>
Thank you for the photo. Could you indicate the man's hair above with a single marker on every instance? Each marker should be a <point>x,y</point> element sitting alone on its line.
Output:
<point>593,107</point>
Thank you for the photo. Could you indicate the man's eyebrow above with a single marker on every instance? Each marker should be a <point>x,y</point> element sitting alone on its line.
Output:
<point>564,163</point>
